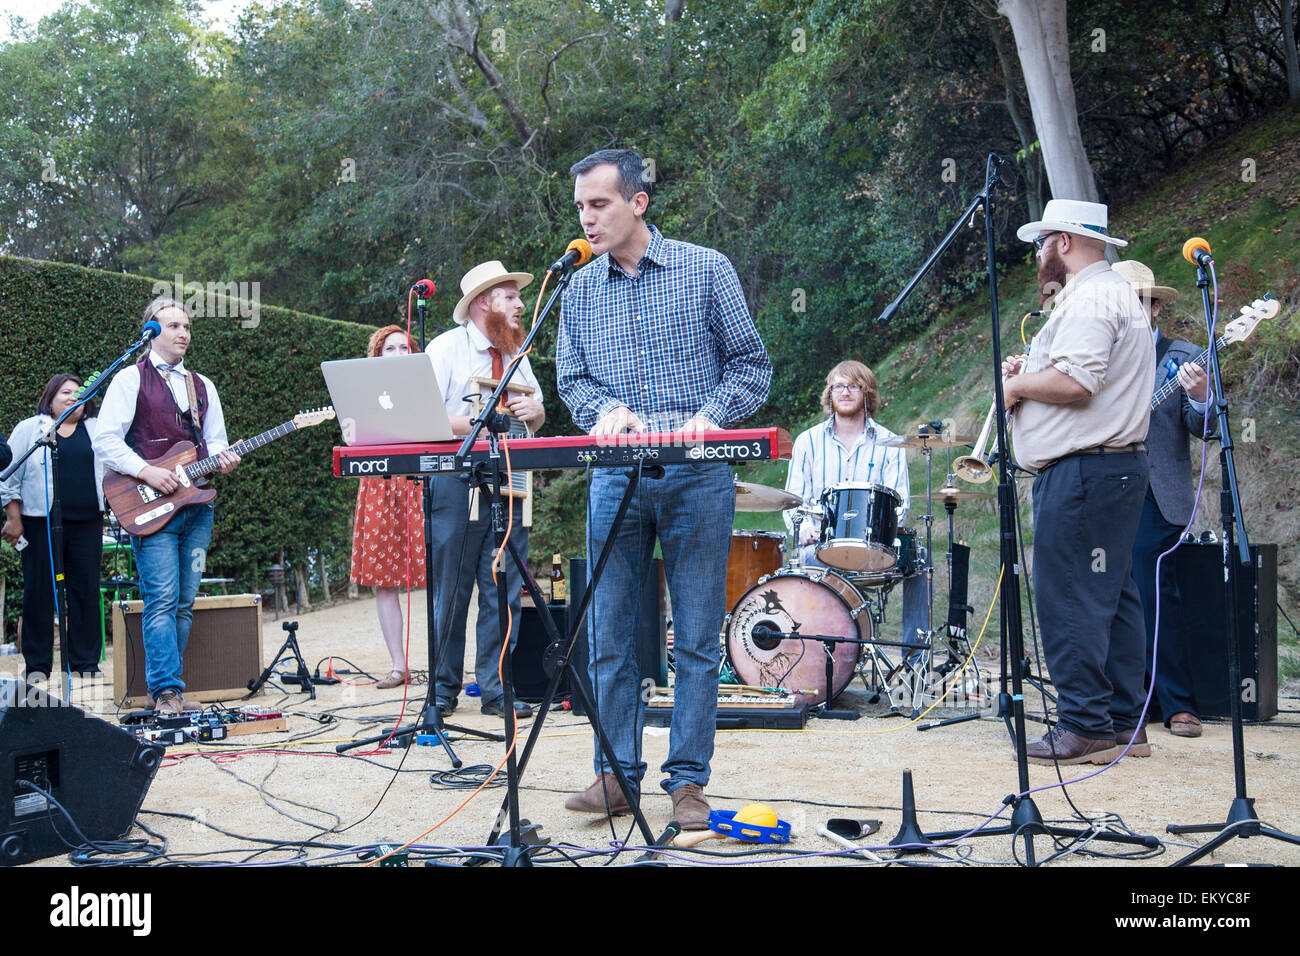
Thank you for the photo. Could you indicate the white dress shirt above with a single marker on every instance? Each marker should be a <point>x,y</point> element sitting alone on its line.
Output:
<point>118,412</point>
<point>820,461</point>
<point>461,355</point>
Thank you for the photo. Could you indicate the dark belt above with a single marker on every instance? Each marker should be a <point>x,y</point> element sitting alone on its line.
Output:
<point>1098,450</point>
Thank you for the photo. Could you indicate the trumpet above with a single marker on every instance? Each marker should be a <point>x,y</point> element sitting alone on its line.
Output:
<point>975,468</point>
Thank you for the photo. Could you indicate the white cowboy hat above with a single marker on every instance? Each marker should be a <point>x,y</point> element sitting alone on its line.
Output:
<point>1143,280</point>
<point>482,277</point>
<point>1073,216</point>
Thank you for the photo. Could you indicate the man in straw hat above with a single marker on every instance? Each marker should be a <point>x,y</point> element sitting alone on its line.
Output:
<point>1168,505</point>
<point>1081,398</point>
<point>485,341</point>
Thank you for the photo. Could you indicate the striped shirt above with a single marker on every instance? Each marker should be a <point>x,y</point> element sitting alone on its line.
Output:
<point>820,461</point>
<point>672,342</point>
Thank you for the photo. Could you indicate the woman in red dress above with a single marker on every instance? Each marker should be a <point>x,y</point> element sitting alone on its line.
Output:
<point>388,533</point>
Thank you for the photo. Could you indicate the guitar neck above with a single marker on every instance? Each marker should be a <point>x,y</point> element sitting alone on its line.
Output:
<point>205,466</point>
<point>1171,386</point>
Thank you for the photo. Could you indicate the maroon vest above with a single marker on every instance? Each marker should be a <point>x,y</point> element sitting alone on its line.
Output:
<point>158,423</point>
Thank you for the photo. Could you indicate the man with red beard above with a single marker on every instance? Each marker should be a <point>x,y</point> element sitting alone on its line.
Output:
<point>484,343</point>
<point>1081,403</point>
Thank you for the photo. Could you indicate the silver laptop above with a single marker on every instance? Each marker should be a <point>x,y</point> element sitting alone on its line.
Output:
<point>387,400</point>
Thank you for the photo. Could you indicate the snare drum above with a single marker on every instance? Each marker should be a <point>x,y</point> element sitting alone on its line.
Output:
<point>753,554</point>
<point>861,525</point>
<point>807,600</point>
<point>909,554</point>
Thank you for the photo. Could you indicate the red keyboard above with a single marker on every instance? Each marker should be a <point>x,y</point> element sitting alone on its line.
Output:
<point>734,446</point>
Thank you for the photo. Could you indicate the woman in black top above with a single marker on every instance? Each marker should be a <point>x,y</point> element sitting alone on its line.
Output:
<point>28,496</point>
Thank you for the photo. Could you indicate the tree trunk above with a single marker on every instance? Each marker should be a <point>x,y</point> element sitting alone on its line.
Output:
<point>1033,164</point>
<point>324,574</point>
<point>304,594</point>
<point>1042,45</point>
<point>1289,50</point>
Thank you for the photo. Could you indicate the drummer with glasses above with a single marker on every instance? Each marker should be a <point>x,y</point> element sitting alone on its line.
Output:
<point>848,447</point>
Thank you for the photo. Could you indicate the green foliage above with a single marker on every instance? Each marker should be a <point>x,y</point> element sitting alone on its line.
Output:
<point>284,496</point>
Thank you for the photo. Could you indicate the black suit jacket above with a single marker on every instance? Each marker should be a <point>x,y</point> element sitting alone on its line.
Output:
<point>1168,438</point>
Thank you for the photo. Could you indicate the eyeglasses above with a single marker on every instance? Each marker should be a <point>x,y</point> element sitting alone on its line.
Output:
<point>1038,243</point>
<point>846,389</point>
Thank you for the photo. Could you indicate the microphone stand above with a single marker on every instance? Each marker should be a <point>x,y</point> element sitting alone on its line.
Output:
<point>488,476</point>
<point>50,440</point>
<point>429,721</point>
<point>1242,820</point>
<point>1025,818</point>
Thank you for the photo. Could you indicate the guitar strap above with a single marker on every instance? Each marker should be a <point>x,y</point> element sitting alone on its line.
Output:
<point>194,408</point>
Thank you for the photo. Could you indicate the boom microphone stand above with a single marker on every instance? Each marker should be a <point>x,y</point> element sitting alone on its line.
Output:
<point>50,440</point>
<point>489,477</point>
<point>1025,818</point>
<point>1242,820</point>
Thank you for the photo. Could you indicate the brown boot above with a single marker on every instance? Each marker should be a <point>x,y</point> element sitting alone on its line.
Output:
<point>1066,748</point>
<point>1140,748</point>
<point>603,796</point>
<point>690,809</point>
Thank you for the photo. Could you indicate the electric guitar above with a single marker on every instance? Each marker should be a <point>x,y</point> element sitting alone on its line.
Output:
<point>1238,330</point>
<point>142,509</point>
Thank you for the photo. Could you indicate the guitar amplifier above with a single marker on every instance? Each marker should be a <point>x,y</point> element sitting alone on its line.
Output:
<point>224,651</point>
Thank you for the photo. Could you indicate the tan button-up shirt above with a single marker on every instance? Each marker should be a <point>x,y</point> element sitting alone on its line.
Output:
<point>1100,336</point>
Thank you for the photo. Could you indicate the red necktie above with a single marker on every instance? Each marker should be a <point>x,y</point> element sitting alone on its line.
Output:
<point>498,369</point>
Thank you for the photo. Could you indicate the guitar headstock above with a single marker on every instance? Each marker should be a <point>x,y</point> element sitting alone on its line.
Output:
<point>314,417</point>
<point>1239,329</point>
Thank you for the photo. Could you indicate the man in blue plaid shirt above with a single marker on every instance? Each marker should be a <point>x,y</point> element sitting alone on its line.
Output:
<point>655,336</point>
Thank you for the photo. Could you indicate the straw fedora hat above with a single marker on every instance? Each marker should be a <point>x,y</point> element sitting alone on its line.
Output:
<point>1074,216</point>
<point>1143,281</point>
<point>482,277</point>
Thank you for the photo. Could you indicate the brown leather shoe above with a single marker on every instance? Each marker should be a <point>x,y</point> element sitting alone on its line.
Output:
<point>603,796</point>
<point>394,679</point>
<point>690,809</point>
<point>1140,746</point>
<point>1185,725</point>
<point>169,704</point>
<point>1071,748</point>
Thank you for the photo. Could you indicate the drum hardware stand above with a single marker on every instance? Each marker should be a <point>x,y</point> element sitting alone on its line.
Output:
<point>1241,821</point>
<point>1025,820</point>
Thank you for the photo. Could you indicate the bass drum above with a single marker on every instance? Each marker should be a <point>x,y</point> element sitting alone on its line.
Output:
<point>812,601</point>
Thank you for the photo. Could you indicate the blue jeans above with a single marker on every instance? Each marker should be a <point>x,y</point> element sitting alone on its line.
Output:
<point>690,510</point>
<point>170,564</point>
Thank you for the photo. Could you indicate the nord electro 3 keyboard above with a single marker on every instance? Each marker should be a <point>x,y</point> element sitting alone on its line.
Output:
<point>736,446</point>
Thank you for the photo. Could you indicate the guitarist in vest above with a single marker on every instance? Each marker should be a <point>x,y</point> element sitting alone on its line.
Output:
<point>148,408</point>
<point>1168,504</point>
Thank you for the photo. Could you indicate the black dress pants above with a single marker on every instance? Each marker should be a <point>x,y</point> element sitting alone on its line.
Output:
<point>83,544</point>
<point>1086,510</point>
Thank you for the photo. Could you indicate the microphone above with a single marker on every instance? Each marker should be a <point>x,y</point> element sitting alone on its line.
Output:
<point>424,288</point>
<point>577,253</point>
<point>148,333</point>
<point>1197,251</point>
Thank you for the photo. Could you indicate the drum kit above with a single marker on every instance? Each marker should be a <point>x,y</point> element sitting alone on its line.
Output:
<point>810,628</point>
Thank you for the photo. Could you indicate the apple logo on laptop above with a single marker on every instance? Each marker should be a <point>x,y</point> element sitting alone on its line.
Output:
<point>385,402</point>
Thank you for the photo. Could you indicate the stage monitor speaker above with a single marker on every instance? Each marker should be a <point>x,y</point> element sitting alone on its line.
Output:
<point>224,651</point>
<point>530,648</point>
<point>98,772</point>
<point>1200,585</point>
<point>651,629</point>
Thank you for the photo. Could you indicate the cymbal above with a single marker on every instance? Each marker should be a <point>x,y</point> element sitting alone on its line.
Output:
<point>955,494</point>
<point>752,497</point>
<point>927,441</point>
